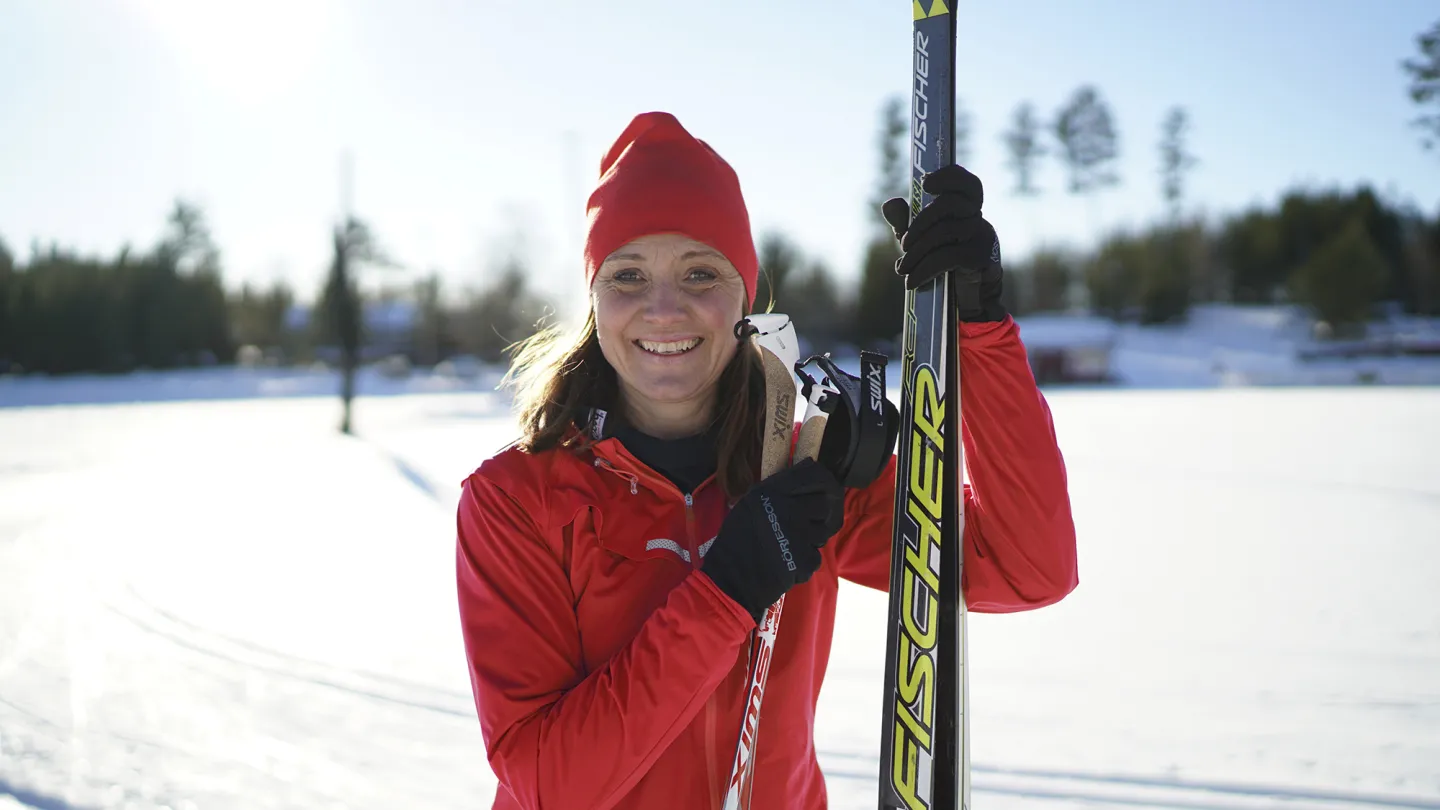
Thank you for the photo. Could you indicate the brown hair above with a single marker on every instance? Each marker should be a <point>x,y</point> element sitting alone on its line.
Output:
<point>557,373</point>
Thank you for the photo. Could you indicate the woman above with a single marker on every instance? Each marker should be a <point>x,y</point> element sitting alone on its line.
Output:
<point>612,563</point>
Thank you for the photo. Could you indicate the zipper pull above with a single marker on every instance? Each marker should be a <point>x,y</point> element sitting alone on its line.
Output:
<point>602,464</point>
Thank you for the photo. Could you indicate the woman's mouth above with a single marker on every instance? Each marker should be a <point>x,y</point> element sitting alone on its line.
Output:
<point>668,348</point>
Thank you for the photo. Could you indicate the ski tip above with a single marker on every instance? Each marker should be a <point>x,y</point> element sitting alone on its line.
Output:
<point>937,9</point>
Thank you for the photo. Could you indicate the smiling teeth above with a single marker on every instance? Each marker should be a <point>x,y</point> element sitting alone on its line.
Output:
<point>669,348</point>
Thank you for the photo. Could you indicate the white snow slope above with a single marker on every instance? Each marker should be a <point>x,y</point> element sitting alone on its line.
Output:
<point>226,604</point>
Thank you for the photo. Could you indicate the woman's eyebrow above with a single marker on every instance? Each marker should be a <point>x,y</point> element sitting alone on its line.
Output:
<point>624,257</point>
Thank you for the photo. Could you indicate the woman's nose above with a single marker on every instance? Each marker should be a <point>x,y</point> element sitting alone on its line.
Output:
<point>664,303</point>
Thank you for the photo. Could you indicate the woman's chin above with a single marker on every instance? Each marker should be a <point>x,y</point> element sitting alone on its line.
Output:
<point>670,393</point>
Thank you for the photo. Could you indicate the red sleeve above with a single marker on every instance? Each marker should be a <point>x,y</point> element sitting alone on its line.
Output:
<point>1019,550</point>
<point>558,737</point>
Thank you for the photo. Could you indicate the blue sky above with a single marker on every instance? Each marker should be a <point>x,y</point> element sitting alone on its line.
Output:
<point>476,127</point>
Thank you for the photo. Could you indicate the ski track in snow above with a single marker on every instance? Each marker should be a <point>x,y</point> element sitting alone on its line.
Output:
<point>236,652</point>
<point>205,605</point>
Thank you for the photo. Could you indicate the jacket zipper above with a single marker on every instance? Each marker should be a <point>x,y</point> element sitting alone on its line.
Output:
<point>717,789</point>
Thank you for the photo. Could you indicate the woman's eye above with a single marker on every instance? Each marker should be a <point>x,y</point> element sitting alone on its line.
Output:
<point>702,274</point>
<point>627,276</point>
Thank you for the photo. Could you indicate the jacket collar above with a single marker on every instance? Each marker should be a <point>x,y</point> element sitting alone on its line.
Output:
<point>611,456</point>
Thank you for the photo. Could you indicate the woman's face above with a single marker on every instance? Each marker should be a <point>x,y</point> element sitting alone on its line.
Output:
<point>665,310</point>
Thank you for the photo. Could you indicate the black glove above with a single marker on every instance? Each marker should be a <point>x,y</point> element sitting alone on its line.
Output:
<point>771,539</point>
<point>950,235</point>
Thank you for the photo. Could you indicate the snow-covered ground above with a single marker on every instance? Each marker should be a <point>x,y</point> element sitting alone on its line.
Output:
<point>225,603</point>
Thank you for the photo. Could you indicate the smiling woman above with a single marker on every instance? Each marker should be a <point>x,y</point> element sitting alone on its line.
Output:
<point>671,268</point>
<point>666,308</point>
<point>613,565</point>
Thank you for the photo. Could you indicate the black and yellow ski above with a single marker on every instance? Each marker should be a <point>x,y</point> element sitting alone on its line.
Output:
<point>924,757</point>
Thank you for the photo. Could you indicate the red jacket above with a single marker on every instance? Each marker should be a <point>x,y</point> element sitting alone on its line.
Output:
<point>608,672</point>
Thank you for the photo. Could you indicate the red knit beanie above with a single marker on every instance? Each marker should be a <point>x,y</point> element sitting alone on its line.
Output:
<point>657,178</point>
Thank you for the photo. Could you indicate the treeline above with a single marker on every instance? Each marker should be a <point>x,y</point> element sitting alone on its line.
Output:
<point>1345,255</point>
<point>167,307</point>
<point>1341,253</point>
<point>164,308</point>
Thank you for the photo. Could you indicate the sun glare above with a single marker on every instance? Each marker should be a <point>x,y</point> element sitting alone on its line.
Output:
<point>251,50</point>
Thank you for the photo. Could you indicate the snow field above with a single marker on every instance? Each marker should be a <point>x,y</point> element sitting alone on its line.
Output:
<point>227,604</point>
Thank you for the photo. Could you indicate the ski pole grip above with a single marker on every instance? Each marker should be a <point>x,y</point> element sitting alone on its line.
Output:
<point>812,430</point>
<point>779,413</point>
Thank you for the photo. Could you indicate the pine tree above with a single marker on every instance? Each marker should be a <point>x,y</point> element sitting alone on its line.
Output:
<point>1175,161</point>
<point>1424,88</point>
<point>881,302</point>
<point>1023,144</point>
<point>1089,145</point>
<point>1344,278</point>
<point>778,259</point>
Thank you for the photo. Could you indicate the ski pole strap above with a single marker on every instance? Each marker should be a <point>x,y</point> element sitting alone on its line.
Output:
<point>862,424</point>
<point>879,423</point>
